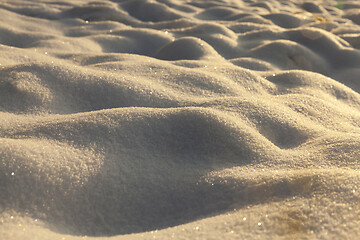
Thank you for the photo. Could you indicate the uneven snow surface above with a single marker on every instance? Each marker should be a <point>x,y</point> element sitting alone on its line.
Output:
<point>179,119</point>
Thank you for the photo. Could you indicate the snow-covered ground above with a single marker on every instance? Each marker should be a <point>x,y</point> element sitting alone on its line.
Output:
<point>183,119</point>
